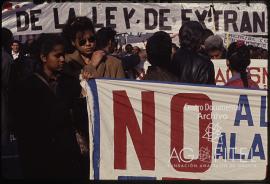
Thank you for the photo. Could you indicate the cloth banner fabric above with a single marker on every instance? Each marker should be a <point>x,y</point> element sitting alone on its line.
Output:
<point>28,18</point>
<point>162,131</point>
<point>257,70</point>
<point>248,40</point>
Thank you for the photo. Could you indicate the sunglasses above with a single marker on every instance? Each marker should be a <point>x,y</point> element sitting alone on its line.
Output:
<point>83,41</point>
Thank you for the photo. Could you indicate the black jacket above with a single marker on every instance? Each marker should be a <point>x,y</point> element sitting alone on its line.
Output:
<point>191,67</point>
<point>46,137</point>
<point>69,89</point>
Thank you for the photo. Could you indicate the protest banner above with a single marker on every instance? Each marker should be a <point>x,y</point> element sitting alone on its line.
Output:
<point>248,40</point>
<point>28,18</point>
<point>257,70</point>
<point>162,131</point>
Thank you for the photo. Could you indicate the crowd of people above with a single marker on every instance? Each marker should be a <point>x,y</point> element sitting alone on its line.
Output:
<point>45,105</point>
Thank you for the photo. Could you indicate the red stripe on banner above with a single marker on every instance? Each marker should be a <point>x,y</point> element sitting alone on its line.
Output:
<point>143,140</point>
<point>177,132</point>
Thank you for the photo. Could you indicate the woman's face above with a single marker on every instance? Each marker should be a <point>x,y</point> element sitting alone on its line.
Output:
<point>55,59</point>
<point>85,42</point>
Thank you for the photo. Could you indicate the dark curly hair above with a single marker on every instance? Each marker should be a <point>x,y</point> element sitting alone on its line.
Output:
<point>74,25</point>
<point>238,55</point>
<point>159,49</point>
<point>191,35</point>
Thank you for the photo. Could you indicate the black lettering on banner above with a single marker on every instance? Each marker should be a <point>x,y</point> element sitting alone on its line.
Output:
<point>71,13</point>
<point>163,19</point>
<point>94,18</point>
<point>249,38</point>
<point>155,17</point>
<point>34,19</point>
<point>216,19</point>
<point>19,14</point>
<point>110,17</point>
<point>201,17</point>
<point>127,16</point>
<point>257,21</point>
<point>184,15</point>
<point>245,23</point>
<point>57,25</point>
<point>228,20</point>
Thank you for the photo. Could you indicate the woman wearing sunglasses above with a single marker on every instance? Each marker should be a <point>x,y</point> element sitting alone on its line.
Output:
<point>81,60</point>
<point>79,34</point>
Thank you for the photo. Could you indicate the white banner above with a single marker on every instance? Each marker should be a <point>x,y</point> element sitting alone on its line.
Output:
<point>249,40</point>
<point>28,18</point>
<point>161,131</point>
<point>257,70</point>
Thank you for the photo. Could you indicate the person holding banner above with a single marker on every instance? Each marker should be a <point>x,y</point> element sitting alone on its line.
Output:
<point>238,59</point>
<point>84,61</point>
<point>188,64</point>
<point>81,61</point>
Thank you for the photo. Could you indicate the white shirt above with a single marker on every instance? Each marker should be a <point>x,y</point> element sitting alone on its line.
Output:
<point>143,65</point>
<point>15,55</point>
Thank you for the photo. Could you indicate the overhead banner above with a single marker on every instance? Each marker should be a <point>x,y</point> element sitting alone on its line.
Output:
<point>257,70</point>
<point>248,40</point>
<point>163,131</point>
<point>28,18</point>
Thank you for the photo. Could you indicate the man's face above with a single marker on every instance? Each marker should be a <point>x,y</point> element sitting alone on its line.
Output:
<point>215,54</point>
<point>85,42</point>
<point>15,47</point>
<point>55,59</point>
<point>129,48</point>
<point>136,50</point>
